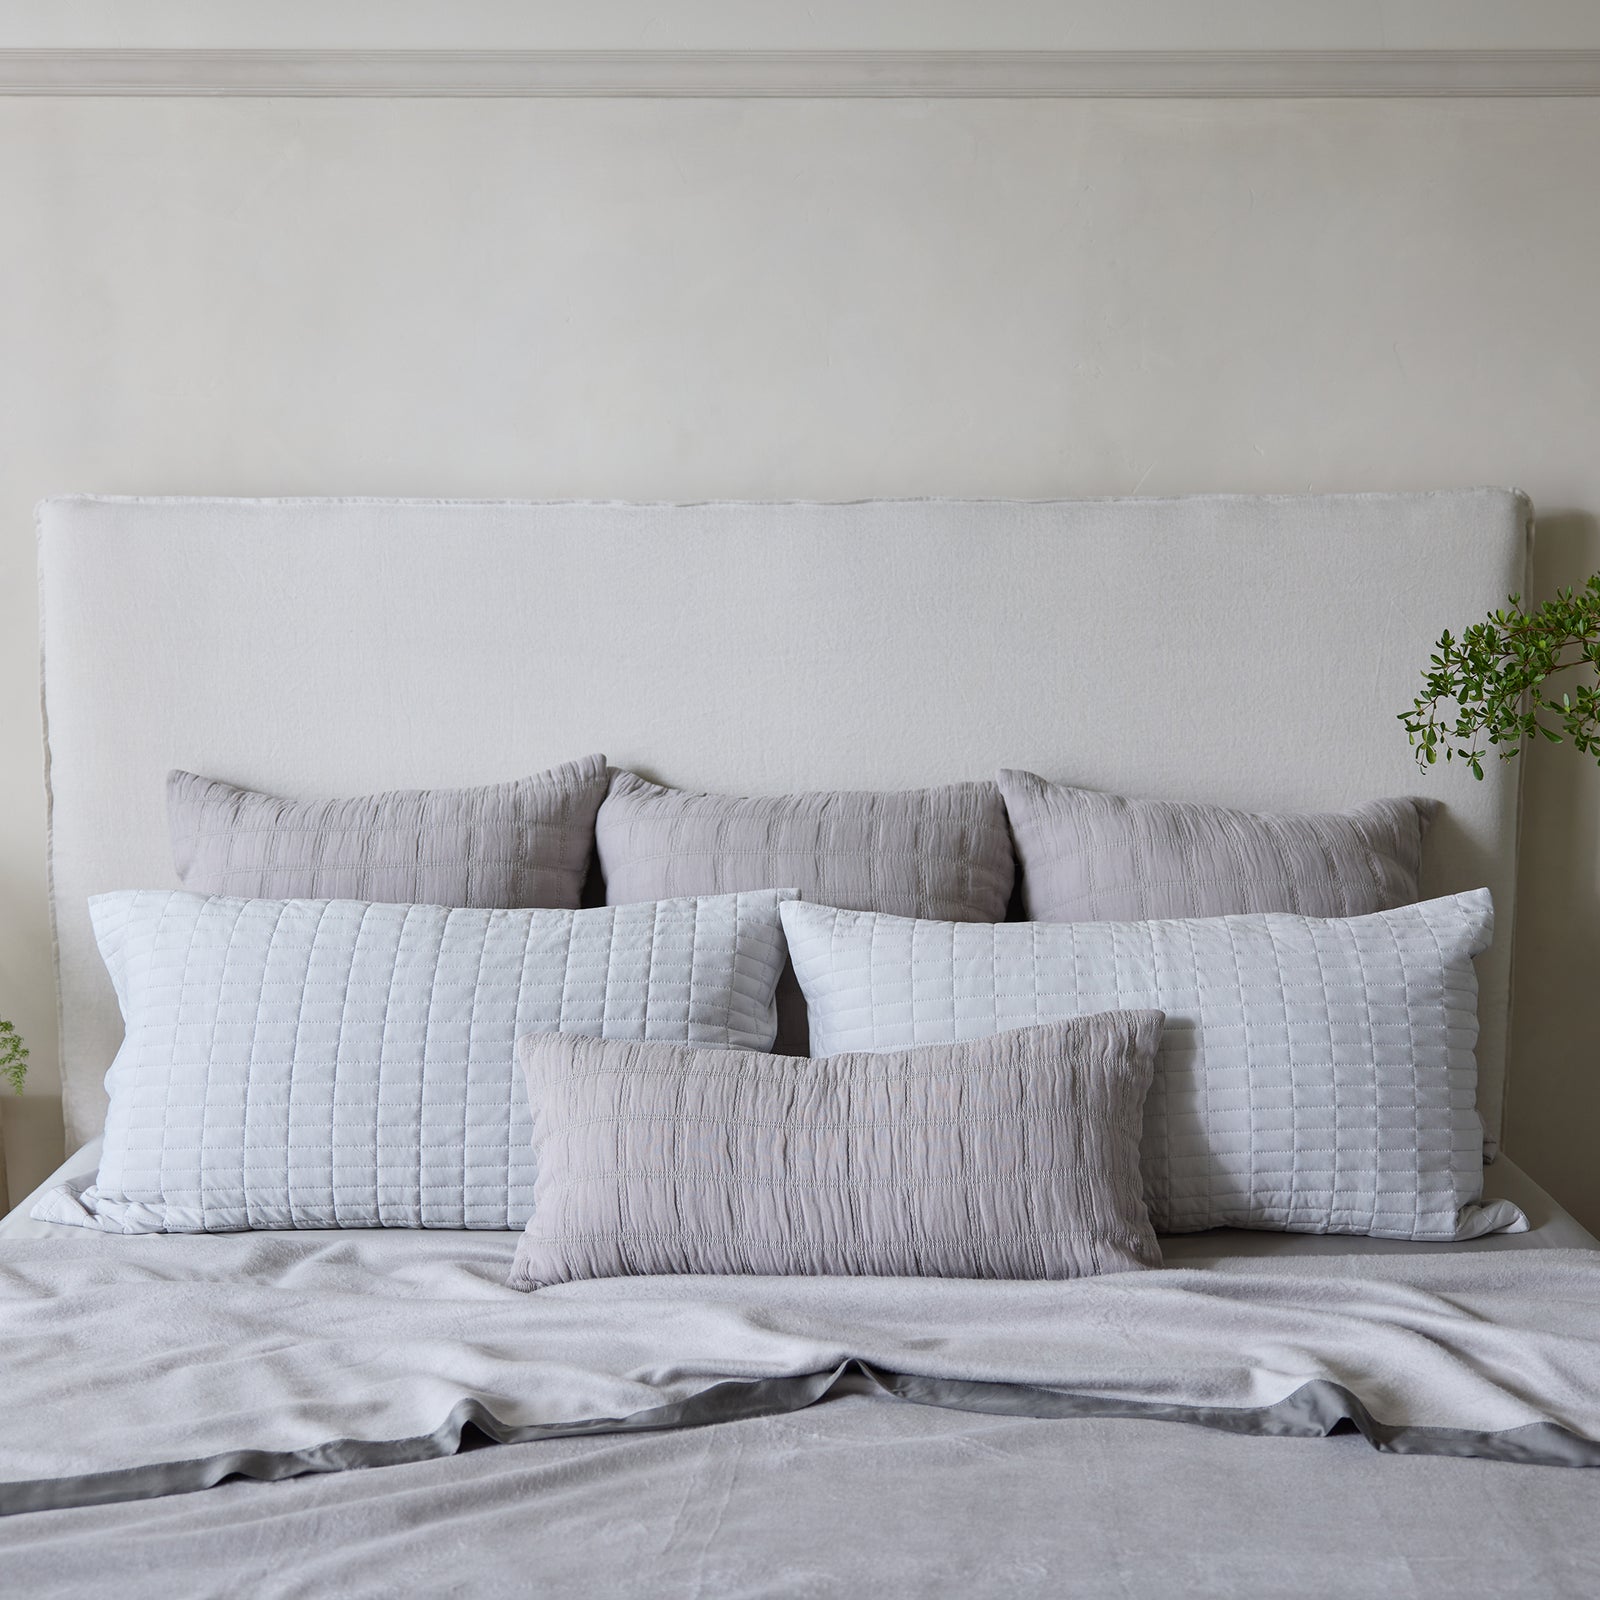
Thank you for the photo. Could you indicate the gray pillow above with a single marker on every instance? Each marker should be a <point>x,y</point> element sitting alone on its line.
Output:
<point>525,843</point>
<point>942,853</point>
<point>1089,857</point>
<point>1015,1156</point>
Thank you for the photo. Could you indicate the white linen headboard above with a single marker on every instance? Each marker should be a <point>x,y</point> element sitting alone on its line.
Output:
<point>1246,650</point>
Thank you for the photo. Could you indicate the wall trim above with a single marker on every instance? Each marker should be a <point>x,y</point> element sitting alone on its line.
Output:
<point>760,74</point>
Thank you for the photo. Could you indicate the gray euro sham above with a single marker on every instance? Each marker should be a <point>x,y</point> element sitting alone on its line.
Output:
<point>942,852</point>
<point>1015,1156</point>
<point>525,843</point>
<point>1091,857</point>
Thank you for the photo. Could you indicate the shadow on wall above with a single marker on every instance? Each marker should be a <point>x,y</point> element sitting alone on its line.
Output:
<point>1553,1109</point>
<point>30,1123</point>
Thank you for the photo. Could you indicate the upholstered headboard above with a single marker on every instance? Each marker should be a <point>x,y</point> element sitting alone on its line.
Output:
<point>1245,650</point>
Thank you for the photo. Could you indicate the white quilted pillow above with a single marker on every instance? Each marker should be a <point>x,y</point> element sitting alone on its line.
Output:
<point>338,1064</point>
<point>1315,1075</point>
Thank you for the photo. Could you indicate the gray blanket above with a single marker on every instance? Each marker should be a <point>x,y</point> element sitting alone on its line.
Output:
<point>135,1368</point>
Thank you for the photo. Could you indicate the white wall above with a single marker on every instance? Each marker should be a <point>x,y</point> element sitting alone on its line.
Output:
<point>815,25</point>
<point>687,299</point>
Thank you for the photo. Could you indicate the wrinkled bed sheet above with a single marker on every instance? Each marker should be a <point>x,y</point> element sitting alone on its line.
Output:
<point>140,1367</point>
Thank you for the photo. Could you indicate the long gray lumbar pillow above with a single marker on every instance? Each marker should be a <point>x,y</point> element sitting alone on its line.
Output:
<point>525,843</point>
<point>1089,857</point>
<point>1315,1075</point>
<point>1015,1156</point>
<point>335,1064</point>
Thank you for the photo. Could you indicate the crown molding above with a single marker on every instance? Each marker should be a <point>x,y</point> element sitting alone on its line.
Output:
<point>762,74</point>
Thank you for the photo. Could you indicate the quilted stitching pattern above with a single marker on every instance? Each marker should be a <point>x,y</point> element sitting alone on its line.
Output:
<point>1314,1075</point>
<point>942,852</point>
<point>316,1064</point>
<point>526,843</point>
<point>1090,857</point>
<point>1009,1157</point>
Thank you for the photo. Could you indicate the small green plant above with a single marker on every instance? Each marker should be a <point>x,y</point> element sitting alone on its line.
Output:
<point>1486,690</point>
<point>13,1055</point>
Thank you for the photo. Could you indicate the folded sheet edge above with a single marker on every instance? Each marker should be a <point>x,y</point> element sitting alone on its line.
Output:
<point>1316,1409</point>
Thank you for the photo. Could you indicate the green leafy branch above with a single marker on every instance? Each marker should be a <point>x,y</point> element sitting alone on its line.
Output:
<point>1486,690</point>
<point>13,1055</point>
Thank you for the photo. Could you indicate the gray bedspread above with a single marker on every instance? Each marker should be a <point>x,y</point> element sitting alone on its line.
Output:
<point>845,1500</point>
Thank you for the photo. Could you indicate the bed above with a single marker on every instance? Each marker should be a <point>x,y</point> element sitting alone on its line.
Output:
<point>841,1439</point>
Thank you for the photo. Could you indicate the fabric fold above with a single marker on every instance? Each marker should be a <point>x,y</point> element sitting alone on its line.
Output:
<point>148,1366</point>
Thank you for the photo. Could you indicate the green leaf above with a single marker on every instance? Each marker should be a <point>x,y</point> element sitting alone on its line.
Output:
<point>1485,688</point>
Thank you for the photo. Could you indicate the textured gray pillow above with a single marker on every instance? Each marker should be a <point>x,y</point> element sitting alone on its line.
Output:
<point>1089,857</point>
<point>1015,1156</point>
<point>943,853</point>
<point>525,843</point>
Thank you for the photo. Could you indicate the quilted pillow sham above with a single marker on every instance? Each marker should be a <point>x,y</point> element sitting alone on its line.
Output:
<point>1089,857</point>
<point>1315,1075</point>
<point>942,852</point>
<point>526,843</point>
<point>339,1064</point>
<point>1015,1156</point>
